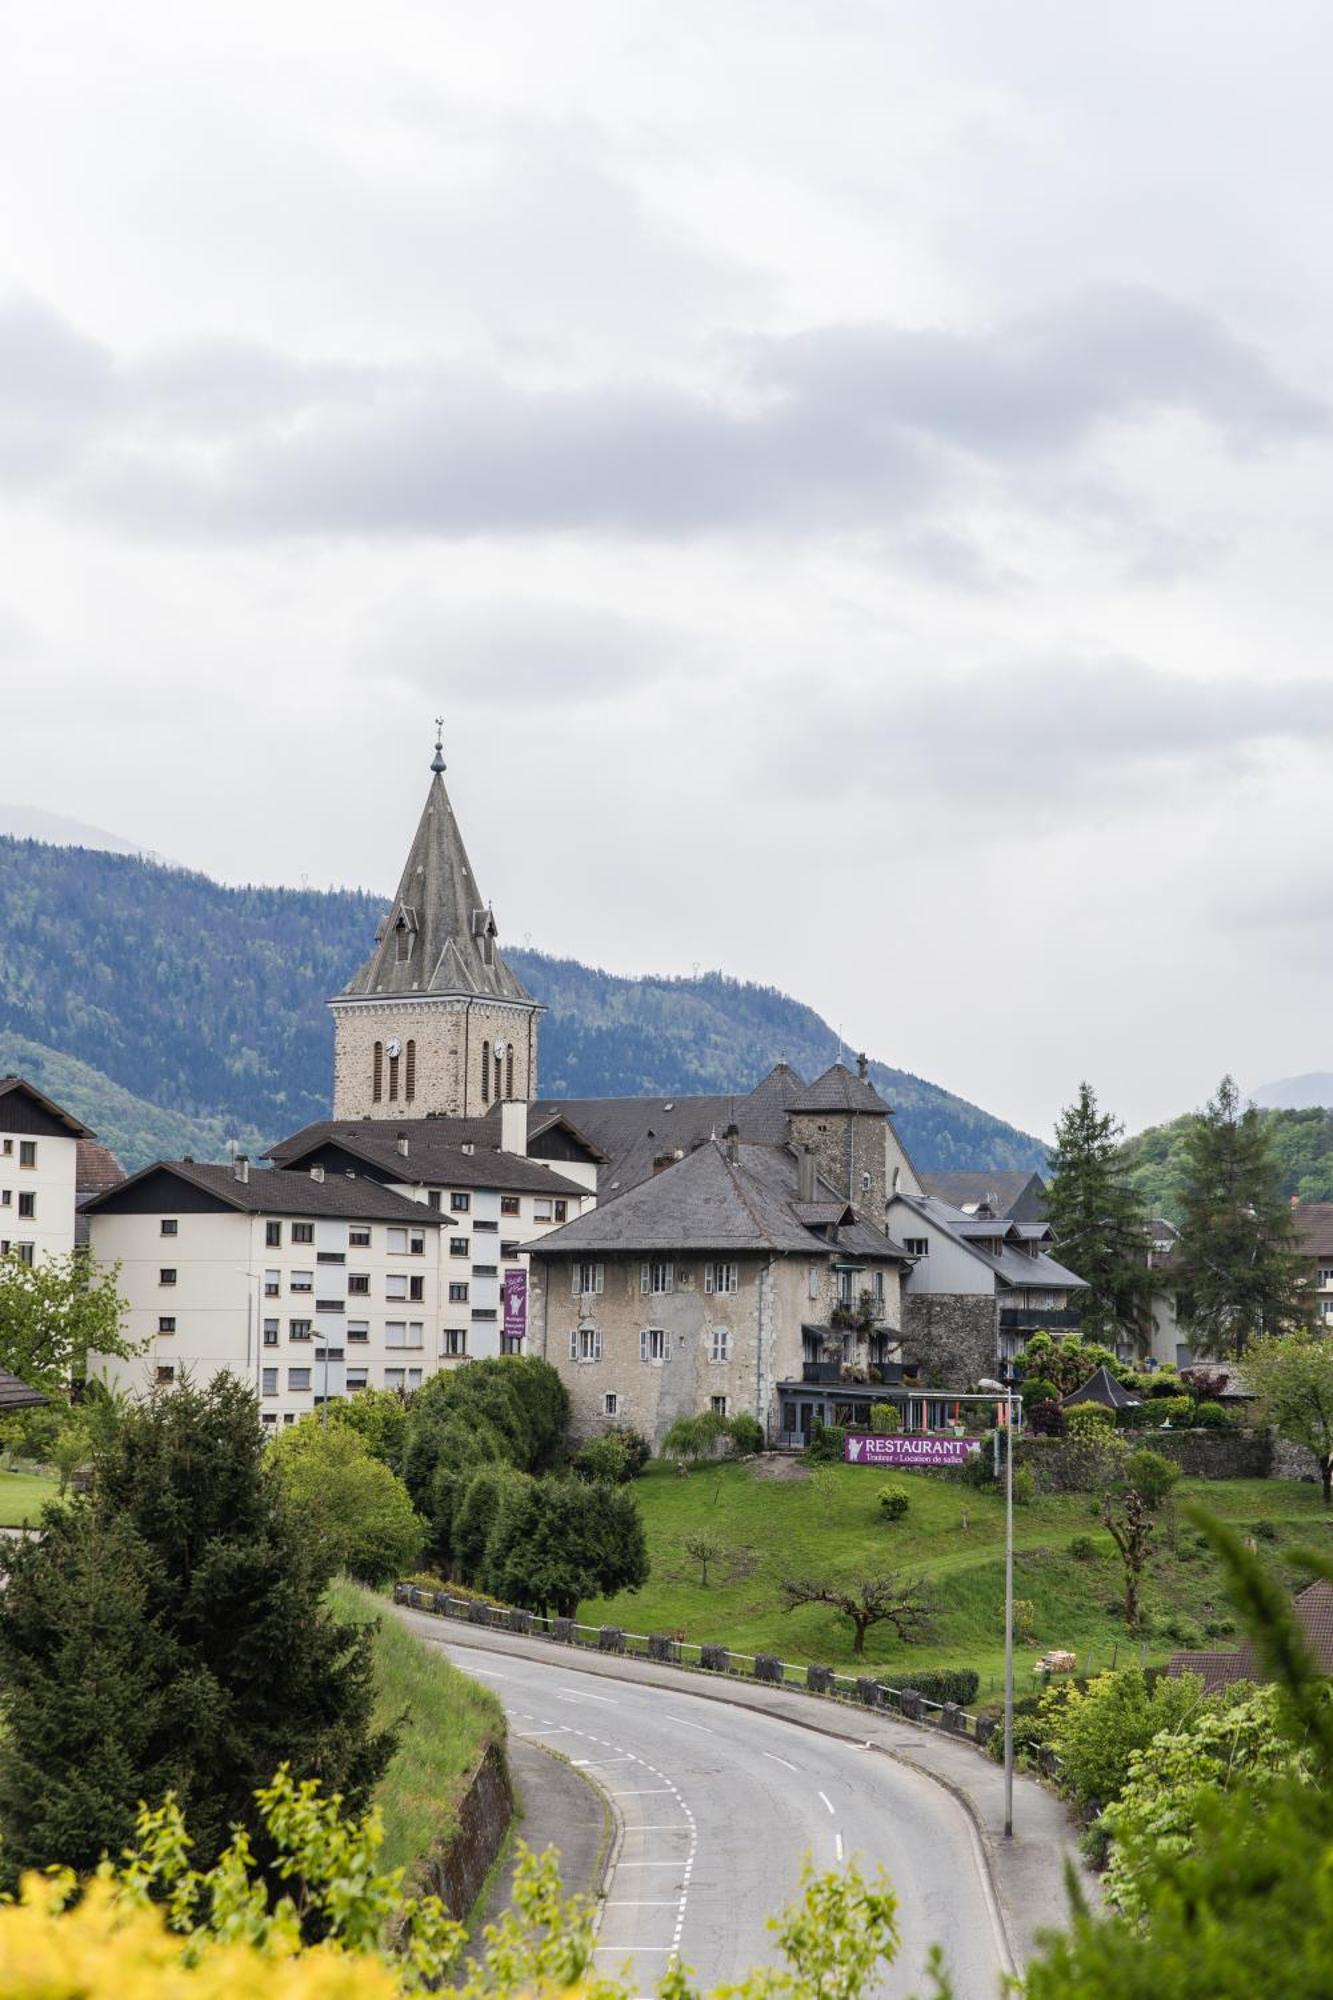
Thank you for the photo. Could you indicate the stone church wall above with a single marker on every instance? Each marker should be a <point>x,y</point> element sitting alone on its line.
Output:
<point>449,1034</point>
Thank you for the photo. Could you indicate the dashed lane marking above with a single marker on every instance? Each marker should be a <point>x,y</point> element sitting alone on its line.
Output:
<point>828,1802</point>
<point>775,1759</point>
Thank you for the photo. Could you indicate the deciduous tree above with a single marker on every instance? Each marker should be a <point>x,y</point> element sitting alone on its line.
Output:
<point>875,1600</point>
<point>54,1314</point>
<point>1292,1376</point>
<point>348,1499</point>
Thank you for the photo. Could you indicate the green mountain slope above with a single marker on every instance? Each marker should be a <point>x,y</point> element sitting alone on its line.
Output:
<point>173,998</point>
<point>1302,1140</point>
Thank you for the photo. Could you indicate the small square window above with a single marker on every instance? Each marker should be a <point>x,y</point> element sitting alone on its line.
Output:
<point>460,1203</point>
<point>303,1232</point>
<point>541,1209</point>
<point>27,1204</point>
<point>509,1204</point>
<point>273,1235</point>
<point>169,1226</point>
<point>460,1246</point>
<point>27,1152</point>
<point>610,1404</point>
<point>358,1237</point>
<point>298,1379</point>
<point>458,1294</point>
<point>270,1382</point>
<point>719,1345</point>
<point>453,1341</point>
<point>270,1333</point>
<point>719,1406</point>
<point>653,1344</point>
<point>299,1329</point>
<point>395,1378</point>
<point>358,1329</point>
<point>166,1374</point>
<point>301,1281</point>
<point>166,1323</point>
<point>358,1284</point>
<point>272,1284</point>
<point>167,1275</point>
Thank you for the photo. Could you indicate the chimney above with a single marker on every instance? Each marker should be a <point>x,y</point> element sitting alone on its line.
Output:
<point>317,1174</point>
<point>863,1066</point>
<point>401,1143</point>
<point>731,1139</point>
<point>805,1173</point>
<point>240,1168</point>
<point>514,1127</point>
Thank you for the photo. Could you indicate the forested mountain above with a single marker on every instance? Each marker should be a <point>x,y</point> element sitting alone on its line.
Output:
<point>171,1013</point>
<point>1302,1141</point>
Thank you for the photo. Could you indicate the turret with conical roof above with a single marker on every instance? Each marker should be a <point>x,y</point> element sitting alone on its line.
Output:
<point>434,1021</point>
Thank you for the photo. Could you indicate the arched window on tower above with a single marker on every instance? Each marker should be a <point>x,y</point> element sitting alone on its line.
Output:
<point>485,1072</point>
<point>499,1079</point>
<point>393,1079</point>
<point>402,942</point>
<point>509,1070</point>
<point>410,1072</point>
<point>377,1073</point>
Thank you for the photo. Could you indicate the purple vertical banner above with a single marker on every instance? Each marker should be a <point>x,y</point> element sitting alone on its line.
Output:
<point>516,1305</point>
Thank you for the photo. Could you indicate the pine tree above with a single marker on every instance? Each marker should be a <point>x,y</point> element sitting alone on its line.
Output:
<point>1099,1223</point>
<point>1237,1274</point>
<point>217,1662</point>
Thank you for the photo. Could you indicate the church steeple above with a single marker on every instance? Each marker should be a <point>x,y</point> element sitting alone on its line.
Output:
<point>440,992</point>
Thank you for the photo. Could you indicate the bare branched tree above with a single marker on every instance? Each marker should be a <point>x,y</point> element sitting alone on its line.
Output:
<point>875,1600</point>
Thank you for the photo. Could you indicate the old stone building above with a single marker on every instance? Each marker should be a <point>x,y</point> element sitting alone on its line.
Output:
<point>434,1023</point>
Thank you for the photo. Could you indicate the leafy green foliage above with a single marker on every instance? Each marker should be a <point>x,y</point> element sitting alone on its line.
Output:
<point>350,1501</point>
<point>1098,1219</point>
<point>1066,1364</point>
<point>691,1439</point>
<point>884,1599</point>
<point>1088,1420</point>
<point>1301,1143</point>
<point>512,1410</point>
<point>826,1442</point>
<point>1292,1378</point>
<point>54,1314</point>
<point>943,1684</point>
<point>1151,1476</point>
<point>1096,1731</point>
<point>557,1541</point>
<point>885,1420</point>
<point>1037,1389</point>
<point>379,1418</point>
<point>604,1457</point>
<point>894,1502</point>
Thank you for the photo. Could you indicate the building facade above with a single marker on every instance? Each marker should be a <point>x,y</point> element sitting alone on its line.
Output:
<point>39,1146</point>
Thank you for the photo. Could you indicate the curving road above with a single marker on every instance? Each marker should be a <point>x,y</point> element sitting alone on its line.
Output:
<point>719,1807</point>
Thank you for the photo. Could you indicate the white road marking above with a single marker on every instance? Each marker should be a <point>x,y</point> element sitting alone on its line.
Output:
<point>775,1759</point>
<point>837,1843</point>
<point>701,1727</point>
<point>828,1802</point>
<point>646,1903</point>
<point>571,1696</point>
<point>489,1674</point>
<point>647,1791</point>
<point>628,1950</point>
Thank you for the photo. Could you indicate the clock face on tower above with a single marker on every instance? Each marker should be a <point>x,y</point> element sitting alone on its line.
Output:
<point>394,1047</point>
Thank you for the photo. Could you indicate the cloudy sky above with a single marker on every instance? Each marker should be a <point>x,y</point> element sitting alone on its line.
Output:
<point>855,478</point>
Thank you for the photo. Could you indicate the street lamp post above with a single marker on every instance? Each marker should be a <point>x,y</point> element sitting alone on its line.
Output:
<point>1007,1392</point>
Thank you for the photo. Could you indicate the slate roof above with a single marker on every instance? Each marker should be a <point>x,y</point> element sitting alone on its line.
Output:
<point>1100,1387</point>
<point>269,1191</point>
<point>1313,1222</point>
<point>20,1085</point>
<point>1016,1193</point>
<point>1012,1267</point>
<point>16,1395</point>
<point>439,908</point>
<point>838,1089</point>
<point>435,1155</point>
<point>705,1201</point>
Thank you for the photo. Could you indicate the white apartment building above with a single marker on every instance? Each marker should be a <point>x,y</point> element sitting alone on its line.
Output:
<point>39,1146</point>
<point>307,1285</point>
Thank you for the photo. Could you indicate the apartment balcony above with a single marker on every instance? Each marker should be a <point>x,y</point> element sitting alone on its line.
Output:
<point>1022,1319</point>
<point>887,1373</point>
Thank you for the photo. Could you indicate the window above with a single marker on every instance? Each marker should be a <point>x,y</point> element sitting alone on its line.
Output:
<point>270,1381</point>
<point>395,1378</point>
<point>1326,1274</point>
<point>485,1072</point>
<point>610,1404</point>
<point>720,1277</point>
<point>273,1236</point>
<point>395,1285</point>
<point>272,1284</point>
<point>407,1242</point>
<point>270,1333</point>
<point>404,1333</point>
<point>359,1236</point>
<point>269,1417</point>
<point>357,1378</point>
<point>301,1281</point>
<point>460,1204</point>
<point>1326,1308</point>
<point>865,1183</point>
<point>453,1341</point>
<point>813,1281</point>
<point>298,1379</point>
<point>846,1288</point>
<point>24,1252</point>
<point>166,1373</point>
<point>509,1070</point>
<point>485,1228</point>
<point>8,1147</point>
<point>433,1199</point>
<point>719,1405</point>
<point>329,1257</point>
<point>27,1152</point>
<point>413,1378</point>
<point>358,1329</point>
<point>917,1246</point>
<point>877,1288</point>
<point>410,1071</point>
<point>587,1279</point>
<point>541,1209</point>
<point>416,1288</point>
<point>377,1073</point>
<point>585,1344</point>
<point>27,1204</point>
<point>511,1343</point>
<point>656,1278</point>
<point>299,1329</point>
<point>167,1275</point>
<point>393,1079</point>
<point>719,1344</point>
<point>166,1323</point>
<point>460,1246</point>
<point>561,1210</point>
<point>458,1293</point>
<point>330,1305</point>
<point>303,1232</point>
<point>167,1227</point>
<point>483,1313</point>
<point>5,1197</point>
<point>509,1204</point>
<point>653,1344</point>
<point>358,1284</point>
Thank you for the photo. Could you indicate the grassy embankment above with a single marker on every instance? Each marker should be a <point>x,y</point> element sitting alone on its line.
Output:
<point>445,1720</point>
<point>22,1498</point>
<point>828,1525</point>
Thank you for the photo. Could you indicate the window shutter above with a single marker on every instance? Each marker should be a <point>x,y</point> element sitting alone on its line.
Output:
<point>597,1347</point>
<point>645,1280</point>
<point>574,1281</point>
<point>599,1277</point>
<point>643,1345</point>
<point>668,1276</point>
<point>709,1270</point>
<point>573,1347</point>
<point>485,1072</point>
<point>377,1079</point>
<point>410,1077</point>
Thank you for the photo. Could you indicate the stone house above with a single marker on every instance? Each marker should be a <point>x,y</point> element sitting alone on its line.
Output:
<point>736,1278</point>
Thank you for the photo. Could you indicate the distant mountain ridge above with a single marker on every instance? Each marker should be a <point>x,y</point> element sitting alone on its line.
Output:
<point>170,1013</point>
<point>1296,1093</point>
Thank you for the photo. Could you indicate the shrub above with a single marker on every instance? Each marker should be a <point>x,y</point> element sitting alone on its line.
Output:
<point>1211,1416</point>
<point>943,1684</point>
<point>884,1420</point>
<point>747,1433</point>
<point>1096,1730</point>
<point>1264,1531</point>
<point>1087,1420</point>
<point>1083,1549</point>
<point>1038,1389</point>
<point>348,1499</point>
<point>604,1458</point>
<point>1045,1419</point>
<point>638,1451</point>
<point>1150,1475</point>
<point>894,1502</point>
<point>978,1470</point>
<point>1025,1619</point>
<point>1025,1486</point>
<point>1184,1631</point>
<point>825,1446</point>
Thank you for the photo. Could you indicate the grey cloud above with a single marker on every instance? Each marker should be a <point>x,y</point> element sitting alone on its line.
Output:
<point>55,384</point>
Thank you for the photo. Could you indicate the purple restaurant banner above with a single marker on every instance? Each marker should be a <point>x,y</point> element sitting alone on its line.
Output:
<point>516,1304</point>
<point>911,1450</point>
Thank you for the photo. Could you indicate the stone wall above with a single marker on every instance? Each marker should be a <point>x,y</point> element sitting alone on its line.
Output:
<point>448,1033</point>
<point>951,1336</point>
<point>852,1157</point>
<point>1071,1465</point>
<point>1292,1461</point>
<point>456,1869</point>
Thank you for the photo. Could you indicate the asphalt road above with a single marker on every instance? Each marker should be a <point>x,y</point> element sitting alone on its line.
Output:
<point>719,1808</point>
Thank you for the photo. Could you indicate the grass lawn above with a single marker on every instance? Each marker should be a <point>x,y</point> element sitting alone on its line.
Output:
<point>22,1497</point>
<point>445,1721</point>
<point>828,1525</point>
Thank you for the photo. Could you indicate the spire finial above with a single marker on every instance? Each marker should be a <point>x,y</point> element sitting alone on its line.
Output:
<point>437,761</point>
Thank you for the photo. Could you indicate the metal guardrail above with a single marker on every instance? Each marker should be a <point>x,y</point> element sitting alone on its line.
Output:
<point>861,1691</point>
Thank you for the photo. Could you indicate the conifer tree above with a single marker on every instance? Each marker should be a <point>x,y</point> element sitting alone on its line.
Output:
<point>1236,1270</point>
<point>1099,1223</point>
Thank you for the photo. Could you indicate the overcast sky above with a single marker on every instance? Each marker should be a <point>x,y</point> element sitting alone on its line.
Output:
<point>855,478</point>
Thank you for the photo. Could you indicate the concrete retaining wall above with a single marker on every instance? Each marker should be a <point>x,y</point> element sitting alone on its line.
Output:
<point>456,1869</point>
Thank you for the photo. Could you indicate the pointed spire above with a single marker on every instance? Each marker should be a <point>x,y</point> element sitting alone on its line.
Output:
<point>437,761</point>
